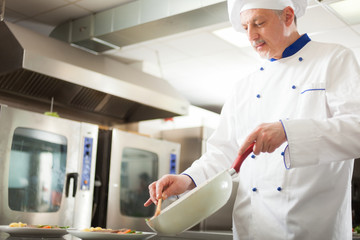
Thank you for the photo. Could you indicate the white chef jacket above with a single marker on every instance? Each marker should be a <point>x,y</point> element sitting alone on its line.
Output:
<point>302,190</point>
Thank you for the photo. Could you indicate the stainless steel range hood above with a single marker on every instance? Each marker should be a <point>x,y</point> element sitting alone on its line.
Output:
<point>98,89</point>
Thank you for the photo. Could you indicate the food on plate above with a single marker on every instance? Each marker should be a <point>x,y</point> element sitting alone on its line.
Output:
<point>108,230</point>
<point>49,226</point>
<point>96,229</point>
<point>17,224</point>
<point>20,224</point>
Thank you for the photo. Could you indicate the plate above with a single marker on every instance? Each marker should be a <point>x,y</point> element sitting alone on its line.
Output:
<point>107,235</point>
<point>33,232</point>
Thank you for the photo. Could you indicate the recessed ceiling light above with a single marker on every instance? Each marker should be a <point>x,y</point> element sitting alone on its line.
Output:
<point>230,35</point>
<point>349,10</point>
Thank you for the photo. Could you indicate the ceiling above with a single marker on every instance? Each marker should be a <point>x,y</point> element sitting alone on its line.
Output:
<point>199,64</point>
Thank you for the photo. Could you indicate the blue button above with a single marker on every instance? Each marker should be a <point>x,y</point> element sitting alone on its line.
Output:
<point>258,96</point>
<point>279,189</point>
<point>293,87</point>
<point>282,153</point>
<point>261,69</point>
<point>254,189</point>
<point>300,59</point>
<point>253,156</point>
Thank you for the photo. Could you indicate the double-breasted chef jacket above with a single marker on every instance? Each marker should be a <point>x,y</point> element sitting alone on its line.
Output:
<point>303,189</point>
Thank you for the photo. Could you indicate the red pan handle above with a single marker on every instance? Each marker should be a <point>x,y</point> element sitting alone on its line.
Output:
<point>240,158</point>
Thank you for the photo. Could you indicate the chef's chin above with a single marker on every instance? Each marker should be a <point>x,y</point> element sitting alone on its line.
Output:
<point>265,55</point>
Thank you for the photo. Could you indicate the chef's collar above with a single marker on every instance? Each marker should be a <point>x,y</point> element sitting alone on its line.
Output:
<point>295,47</point>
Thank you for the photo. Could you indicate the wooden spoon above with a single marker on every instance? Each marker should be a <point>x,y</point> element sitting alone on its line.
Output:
<point>158,208</point>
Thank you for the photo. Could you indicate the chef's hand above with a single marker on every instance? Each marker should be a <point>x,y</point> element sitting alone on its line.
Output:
<point>168,185</point>
<point>267,138</point>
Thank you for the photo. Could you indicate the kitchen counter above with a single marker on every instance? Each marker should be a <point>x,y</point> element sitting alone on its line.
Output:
<point>183,236</point>
<point>188,235</point>
<point>194,235</point>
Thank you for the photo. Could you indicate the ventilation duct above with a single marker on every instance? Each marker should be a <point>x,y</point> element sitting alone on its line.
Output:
<point>139,21</point>
<point>93,88</point>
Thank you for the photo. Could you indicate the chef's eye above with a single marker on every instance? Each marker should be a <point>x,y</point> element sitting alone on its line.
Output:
<point>259,24</point>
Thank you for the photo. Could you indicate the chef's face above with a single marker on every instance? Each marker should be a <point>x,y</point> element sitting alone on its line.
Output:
<point>266,30</point>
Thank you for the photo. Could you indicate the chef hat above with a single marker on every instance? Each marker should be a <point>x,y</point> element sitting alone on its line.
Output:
<point>235,7</point>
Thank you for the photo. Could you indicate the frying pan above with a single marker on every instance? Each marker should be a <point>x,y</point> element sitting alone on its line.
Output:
<point>199,203</point>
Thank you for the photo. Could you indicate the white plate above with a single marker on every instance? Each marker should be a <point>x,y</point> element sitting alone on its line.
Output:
<point>107,235</point>
<point>33,232</point>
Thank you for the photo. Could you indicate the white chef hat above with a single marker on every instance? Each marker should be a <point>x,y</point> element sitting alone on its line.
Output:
<point>235,7</point>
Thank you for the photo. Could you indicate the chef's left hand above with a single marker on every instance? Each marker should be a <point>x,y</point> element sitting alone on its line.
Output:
<point>267,138</point>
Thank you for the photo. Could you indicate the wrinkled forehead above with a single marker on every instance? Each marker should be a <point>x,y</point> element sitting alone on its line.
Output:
<point>252,15</point>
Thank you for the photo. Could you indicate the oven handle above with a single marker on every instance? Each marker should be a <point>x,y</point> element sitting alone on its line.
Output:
<point>68,177</point>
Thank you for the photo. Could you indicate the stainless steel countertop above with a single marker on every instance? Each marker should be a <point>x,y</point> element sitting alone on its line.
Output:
<point>188,235</point>
<point>194,235</point>
<point>182,236</point>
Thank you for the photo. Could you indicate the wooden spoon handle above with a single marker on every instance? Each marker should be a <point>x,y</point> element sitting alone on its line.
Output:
<point>158,208</point>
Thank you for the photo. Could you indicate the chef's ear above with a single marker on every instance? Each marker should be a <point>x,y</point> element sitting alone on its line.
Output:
<point>289,15</point>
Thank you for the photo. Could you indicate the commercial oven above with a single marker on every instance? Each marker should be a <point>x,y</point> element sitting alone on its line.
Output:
<point>47,169</point>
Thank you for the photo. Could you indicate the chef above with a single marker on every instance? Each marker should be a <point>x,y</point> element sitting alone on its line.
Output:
<point>301,107</point>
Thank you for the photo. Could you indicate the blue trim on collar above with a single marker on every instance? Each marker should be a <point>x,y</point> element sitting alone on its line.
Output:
<point>295,47</point>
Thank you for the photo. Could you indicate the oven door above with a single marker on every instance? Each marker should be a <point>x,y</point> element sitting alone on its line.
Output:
<point>135,162</point>
<point>40,158</point>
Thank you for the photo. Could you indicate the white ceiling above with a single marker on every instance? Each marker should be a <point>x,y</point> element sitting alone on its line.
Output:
<point>199,64</point>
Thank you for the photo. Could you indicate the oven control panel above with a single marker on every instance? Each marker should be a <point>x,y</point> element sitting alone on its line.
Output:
<point>86,166</point>
<point>172,163</point>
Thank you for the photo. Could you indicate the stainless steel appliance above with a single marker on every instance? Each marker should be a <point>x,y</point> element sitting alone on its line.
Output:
<point>47,169</point>
<point>35,68</point>
<point>135,162</point>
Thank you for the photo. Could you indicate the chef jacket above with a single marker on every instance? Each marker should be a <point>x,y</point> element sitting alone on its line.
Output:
<point>303,189</point>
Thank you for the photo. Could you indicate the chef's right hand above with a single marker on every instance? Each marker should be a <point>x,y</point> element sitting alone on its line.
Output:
<point>168,185</point>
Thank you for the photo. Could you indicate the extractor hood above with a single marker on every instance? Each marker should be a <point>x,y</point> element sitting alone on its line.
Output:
<point>93,88</point>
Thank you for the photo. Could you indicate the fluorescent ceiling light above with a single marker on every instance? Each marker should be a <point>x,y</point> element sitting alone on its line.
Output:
<point>349,10</point>
<point>236,38</point>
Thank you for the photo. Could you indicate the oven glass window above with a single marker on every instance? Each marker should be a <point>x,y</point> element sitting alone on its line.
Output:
<point>138,169</point>
<point>37,170</point>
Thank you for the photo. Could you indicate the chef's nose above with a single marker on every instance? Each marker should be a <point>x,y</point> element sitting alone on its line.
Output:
<point>252,33</point>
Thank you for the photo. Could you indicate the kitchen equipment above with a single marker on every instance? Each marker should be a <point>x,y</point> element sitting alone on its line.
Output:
<point>35,68</point>
<point>135,161</point>
<point>193,145</point>
<point>199,203</point>
<point>47,169</point>
<point>158,208</point>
